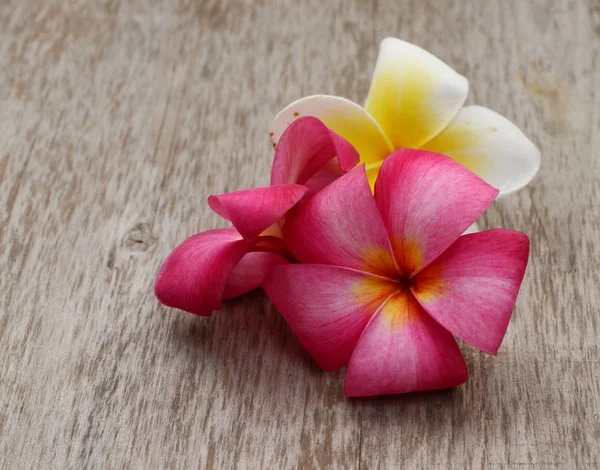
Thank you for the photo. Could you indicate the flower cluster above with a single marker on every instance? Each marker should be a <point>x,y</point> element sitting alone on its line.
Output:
<point>358,241</point>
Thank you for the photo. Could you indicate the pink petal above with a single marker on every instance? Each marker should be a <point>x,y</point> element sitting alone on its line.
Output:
<point>341,226</point>
<point>472,287</point>
<point>324,177</point>
<point>427,201</point>
<point>272,244</point>
<point>193,277</point>
<point>327,307</point>
<point>346,154</point>
<point>403,350</point>
<point>252,211</point>
<point>342,116</point>
<point>305,147</point>
<point>250,272</point>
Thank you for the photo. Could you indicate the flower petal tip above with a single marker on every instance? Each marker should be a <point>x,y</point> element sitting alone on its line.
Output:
<point>357,390</point>
<point>194,275</point>
<point>471,289</point>
<point>404,350</point>
<point>164,293</point>
<point>413,95</point>
<point>306,147</point>
<point>252,211</point>
<point>455,197</point>
<point>491,146</point>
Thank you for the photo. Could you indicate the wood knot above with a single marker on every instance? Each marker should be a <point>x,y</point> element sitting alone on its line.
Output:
<point>140,238</point>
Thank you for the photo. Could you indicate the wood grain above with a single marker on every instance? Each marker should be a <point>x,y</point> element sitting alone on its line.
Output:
<point>118,119</point>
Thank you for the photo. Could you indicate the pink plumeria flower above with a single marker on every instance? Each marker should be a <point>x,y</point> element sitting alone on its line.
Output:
<point>389,279</point>
<point>416,101</point>
<point>224,263</point>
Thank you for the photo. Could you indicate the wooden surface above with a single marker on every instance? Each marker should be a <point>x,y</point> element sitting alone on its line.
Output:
<point>118,119</point>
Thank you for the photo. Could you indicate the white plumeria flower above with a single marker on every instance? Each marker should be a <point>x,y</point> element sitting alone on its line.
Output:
<point>416,101</point>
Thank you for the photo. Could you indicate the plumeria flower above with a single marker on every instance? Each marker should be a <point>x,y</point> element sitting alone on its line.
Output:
<point>388,279</point>
<point>225,263</point>
<point>416,101</point>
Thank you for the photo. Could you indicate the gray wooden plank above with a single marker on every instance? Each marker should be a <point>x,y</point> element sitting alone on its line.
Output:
<point>118,119</point>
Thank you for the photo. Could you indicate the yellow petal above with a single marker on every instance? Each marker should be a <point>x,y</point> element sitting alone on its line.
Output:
<point>491,146</point>
<point>342,116</point>
<point>413,94</point>
<point>372,173</point>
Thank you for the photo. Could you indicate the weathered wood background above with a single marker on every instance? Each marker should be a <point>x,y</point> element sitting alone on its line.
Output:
<point>118,119</point>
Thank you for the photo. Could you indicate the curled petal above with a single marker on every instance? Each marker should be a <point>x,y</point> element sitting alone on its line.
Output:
<point>272,244</point>
<point>252,211</point>
<point>341,226</point>
<point>327,307</point>
<point>345,118</point>
<point>403,350</point>
<point>427,201</point>
<point>304,148</point>
<point>250,272</point>
<point>347,156</point>
<point>491,146</point>
<point>193,276</point>
<point>324,177</point>
<point>472,287</point>
<point>413,95</point>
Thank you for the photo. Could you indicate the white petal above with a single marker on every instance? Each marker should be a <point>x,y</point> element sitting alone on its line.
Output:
<point>491,146</point>
<point>413,95</point>
<point>342,116</point>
